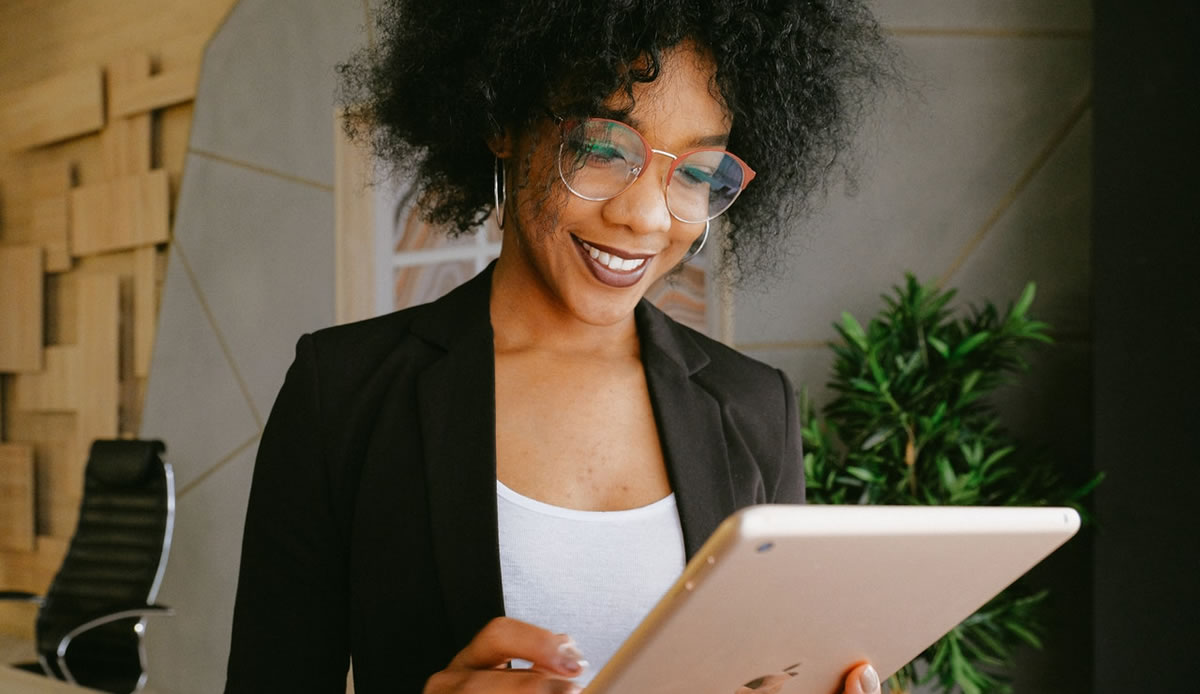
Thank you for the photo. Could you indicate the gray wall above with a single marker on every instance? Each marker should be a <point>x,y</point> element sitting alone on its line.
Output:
<point>980,178</point>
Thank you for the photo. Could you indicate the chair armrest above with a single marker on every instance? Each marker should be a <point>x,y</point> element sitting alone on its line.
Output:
<point>110,614</point>
<point>20,596</point>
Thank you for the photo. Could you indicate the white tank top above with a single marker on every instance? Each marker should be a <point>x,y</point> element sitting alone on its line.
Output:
<point>591,574</point>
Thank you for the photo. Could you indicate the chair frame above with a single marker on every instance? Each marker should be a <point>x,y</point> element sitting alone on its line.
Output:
<point>148,610</point>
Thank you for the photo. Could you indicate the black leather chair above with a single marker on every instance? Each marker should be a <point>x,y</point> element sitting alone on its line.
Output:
<point>91,621</point>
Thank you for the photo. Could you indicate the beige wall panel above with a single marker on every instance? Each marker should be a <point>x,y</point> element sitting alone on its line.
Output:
<point>99,347</point>
<point>59,108</point>
<point>21,308</point>
<point>51,217</point>
<point>124,213</point>
<point>354,228</point>
<point>145,307</point>
<point>53,389</point>
<point>16,497</point>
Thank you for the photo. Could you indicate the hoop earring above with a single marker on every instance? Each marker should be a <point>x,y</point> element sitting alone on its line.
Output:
<point>697,245</point>
<point>499,185</point>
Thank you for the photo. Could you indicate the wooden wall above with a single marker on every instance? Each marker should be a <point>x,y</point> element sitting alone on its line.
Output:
<point>95,107</point>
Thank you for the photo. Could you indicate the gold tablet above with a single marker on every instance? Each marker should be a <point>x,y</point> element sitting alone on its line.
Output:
<point>784,599</point>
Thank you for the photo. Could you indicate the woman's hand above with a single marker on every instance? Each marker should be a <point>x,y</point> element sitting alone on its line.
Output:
<point>483,665</point>
<point>862,679</point>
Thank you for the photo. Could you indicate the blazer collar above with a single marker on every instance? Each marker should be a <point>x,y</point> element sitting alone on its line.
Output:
<point>457,401</point>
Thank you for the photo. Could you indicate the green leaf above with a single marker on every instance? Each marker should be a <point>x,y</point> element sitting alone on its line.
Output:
<point>1024,634</point>
<point>853,330</point>
<point>862,474</point>
<point>939,346</point>
<point>1023,303</point>
<point>968,382</point>
<point>966,346</point>
<point>949,479</point>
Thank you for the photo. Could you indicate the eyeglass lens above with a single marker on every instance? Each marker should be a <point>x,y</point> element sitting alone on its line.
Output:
<point>601,158</point>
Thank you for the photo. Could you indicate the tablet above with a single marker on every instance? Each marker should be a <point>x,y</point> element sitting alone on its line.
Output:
<point>787,598</point>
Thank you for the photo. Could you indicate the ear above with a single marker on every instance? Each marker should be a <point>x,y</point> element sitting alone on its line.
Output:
<point>501,143</point>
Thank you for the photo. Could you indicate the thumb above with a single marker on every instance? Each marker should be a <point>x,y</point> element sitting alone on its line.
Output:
<point>862,680</point>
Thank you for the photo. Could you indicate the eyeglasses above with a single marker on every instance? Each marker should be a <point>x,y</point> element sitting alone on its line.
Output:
<point>600,158</point>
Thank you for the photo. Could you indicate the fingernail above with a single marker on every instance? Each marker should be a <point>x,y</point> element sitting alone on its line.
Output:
<point>869,680</point>
<point>569,657</point>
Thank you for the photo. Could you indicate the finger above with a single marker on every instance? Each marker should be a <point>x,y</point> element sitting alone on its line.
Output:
<point>498,682</point>
<point>504,639</point>
<point>862,680</point>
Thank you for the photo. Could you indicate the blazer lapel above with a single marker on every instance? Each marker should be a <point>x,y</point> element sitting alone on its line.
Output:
<point>457,401</point>
<point>689,426</point>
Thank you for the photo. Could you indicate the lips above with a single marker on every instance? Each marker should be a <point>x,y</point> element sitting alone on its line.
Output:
<point>610,266</point>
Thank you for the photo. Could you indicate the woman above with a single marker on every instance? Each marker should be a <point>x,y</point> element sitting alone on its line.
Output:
<point>452,489</point>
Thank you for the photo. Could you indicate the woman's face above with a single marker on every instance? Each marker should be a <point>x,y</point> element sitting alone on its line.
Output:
<point>596,259</point>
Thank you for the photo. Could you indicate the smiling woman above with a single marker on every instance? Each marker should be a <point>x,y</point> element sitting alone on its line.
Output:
<point>456,487</point>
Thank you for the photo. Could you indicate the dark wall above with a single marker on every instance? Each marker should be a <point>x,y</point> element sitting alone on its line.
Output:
<point>1147,345</point>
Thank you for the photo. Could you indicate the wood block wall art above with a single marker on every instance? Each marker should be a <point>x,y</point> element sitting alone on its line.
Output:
<point>53,389</point>
<point>51,219</point>
<point>174,84</point>
<point>62,107</point>
<point>98,305</point>
<point>16,497</point>
<point>123,213</point>
<point>21,291</point>
<point>145,307</point>
<point>126,140</point>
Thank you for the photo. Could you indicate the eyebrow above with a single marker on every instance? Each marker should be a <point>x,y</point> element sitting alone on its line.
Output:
<point>719,140</point>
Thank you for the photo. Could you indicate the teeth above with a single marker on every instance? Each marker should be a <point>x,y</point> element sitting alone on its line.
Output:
<point>613,262</point>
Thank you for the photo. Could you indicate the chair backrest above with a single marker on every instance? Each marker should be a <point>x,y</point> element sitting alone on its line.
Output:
<point>115,561</point>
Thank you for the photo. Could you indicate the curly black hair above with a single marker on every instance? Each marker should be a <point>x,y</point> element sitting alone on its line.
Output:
<point>444,77</point>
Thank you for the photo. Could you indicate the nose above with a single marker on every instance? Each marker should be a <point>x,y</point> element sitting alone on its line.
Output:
<point>643,206</point>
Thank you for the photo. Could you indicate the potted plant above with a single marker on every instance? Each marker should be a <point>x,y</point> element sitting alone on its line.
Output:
<point>910,423</point>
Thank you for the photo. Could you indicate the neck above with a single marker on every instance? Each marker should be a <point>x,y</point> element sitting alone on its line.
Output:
<point>527,315</point>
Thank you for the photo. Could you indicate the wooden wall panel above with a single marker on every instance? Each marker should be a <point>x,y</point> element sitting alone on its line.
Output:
<point>51,218</point>
<point>126,141</point>
<point>174,83</point>
<point>125,213</point>
<point>145,307</point>
<point>99,363</point>
<point>64,106</point>
<point>16,497</point>
<point>53,389</point>
<point>159,91</point>
<point>20,308</point>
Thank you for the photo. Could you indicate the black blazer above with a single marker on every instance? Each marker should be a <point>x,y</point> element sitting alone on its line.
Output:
<point>372,523</point>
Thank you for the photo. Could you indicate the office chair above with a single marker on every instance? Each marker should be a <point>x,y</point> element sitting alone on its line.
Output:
<point>91,621</point>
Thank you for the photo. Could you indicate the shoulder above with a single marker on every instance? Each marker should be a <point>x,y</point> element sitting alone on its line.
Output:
<point>730,376</point>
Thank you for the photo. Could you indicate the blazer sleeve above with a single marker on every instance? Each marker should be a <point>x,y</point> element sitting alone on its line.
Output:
<point>291,623</point>
<point>789,485</point>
